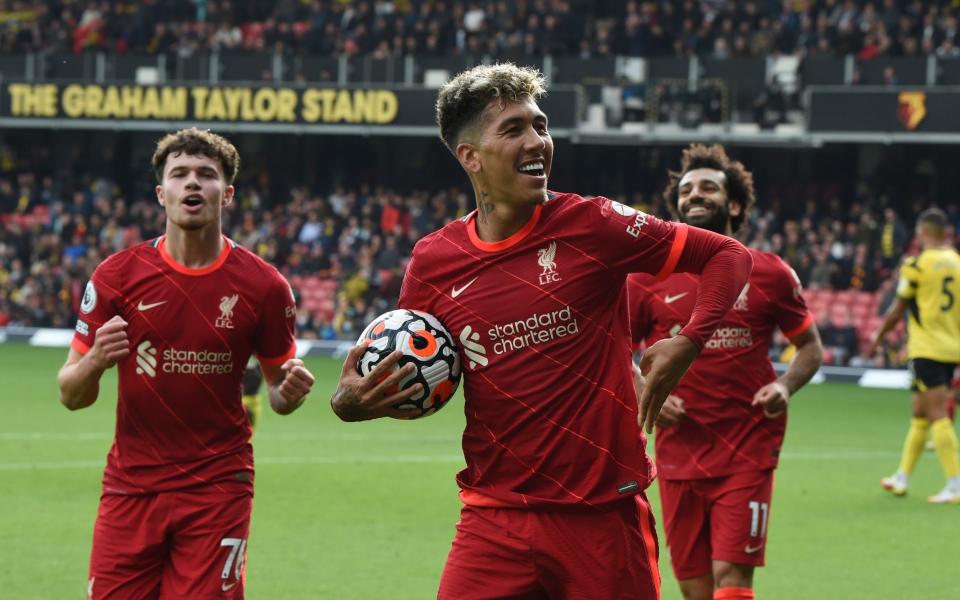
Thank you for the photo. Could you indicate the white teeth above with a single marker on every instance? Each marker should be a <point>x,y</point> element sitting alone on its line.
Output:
<point>537,166</point>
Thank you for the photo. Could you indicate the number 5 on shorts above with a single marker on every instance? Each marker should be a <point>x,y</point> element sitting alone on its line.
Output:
<point>237,554</point>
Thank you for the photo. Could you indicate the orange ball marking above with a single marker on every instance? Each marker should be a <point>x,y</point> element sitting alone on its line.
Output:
<point>442,392</point>
<point>428,350</point>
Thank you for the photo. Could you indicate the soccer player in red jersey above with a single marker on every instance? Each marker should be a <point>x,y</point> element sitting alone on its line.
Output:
<point>179,316</point>
<point>719,433</point>
<point>533,286</point>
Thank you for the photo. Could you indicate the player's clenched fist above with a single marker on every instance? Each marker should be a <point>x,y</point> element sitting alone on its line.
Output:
<point>111,344</point>
<point>297,381</point>
<point>773,398</point>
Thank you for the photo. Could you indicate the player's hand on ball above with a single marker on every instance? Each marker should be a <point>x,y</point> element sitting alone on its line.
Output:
<point>663,364</point>
<point>111,344</point>
<point>773,398</point>
<point>671,411</point>
<point>359,398</point>
<point>296,383</point>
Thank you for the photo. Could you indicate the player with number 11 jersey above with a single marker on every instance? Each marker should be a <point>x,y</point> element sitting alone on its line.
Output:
<point>720,432</point>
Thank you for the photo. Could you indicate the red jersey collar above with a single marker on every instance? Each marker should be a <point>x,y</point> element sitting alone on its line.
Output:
<point>513,240</point>
<point>162,249</point>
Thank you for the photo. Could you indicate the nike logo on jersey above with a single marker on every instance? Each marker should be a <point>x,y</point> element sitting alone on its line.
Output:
<point>141,306</point>
<point>456,292</point>
<point>751,549</point>
<point>668,299</point>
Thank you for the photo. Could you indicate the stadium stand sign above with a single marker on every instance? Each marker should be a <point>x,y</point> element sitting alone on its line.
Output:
<point>389,110</point>
<point>892,114</point>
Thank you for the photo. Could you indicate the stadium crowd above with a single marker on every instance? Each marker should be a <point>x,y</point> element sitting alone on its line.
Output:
<point>384,28</point>
<point>345,250</point>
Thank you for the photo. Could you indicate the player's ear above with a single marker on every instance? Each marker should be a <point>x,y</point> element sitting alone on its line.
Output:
<point>735,207</point>
<point>469,157</point>
<point>159,191</point>
<point>227,196</point>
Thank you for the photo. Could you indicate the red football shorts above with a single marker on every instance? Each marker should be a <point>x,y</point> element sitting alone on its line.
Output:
<point>525,554</point>
<point>181,544</point>
<point>723,518</point>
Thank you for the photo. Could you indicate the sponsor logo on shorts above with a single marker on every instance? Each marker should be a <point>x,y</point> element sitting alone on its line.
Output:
<point>752,549</point>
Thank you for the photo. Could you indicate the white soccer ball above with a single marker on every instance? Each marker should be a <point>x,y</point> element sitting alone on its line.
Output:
<point>426,343</point>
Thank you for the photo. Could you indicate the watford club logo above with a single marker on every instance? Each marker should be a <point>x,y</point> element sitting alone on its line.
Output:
<point>912,109</point>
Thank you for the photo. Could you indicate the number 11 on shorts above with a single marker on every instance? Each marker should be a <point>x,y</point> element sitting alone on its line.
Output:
<point>758,518</point>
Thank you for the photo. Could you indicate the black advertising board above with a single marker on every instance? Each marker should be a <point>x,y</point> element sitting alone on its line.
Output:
<point>883,110</point>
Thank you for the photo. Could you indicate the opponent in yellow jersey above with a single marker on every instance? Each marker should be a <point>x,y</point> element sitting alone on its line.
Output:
<point>929,294</point>
<point>930,285</point>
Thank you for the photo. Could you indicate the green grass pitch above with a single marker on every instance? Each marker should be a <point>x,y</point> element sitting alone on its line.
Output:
<point>367,510</point>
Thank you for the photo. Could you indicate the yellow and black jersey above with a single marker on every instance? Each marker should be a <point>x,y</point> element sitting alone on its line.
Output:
<point>930,284</point>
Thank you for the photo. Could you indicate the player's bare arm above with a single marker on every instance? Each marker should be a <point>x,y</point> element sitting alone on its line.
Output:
<point>774,396</point>
<point>79,378</point>
<point>289,385</point>
<point>894,315</point>
<point>361,398</point>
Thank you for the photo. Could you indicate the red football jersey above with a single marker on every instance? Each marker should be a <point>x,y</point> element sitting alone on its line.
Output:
<point>541,323</point>
<point>721,433</point>
<point>180,421</point>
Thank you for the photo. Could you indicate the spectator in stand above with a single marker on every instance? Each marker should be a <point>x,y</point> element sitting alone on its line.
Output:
<point>387,29</point>
<point>840,341</point>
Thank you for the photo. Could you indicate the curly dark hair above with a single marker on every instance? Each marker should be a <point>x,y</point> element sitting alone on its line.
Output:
<point>197,142</point>
<point>739,180</point>
<point>462,100</point>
